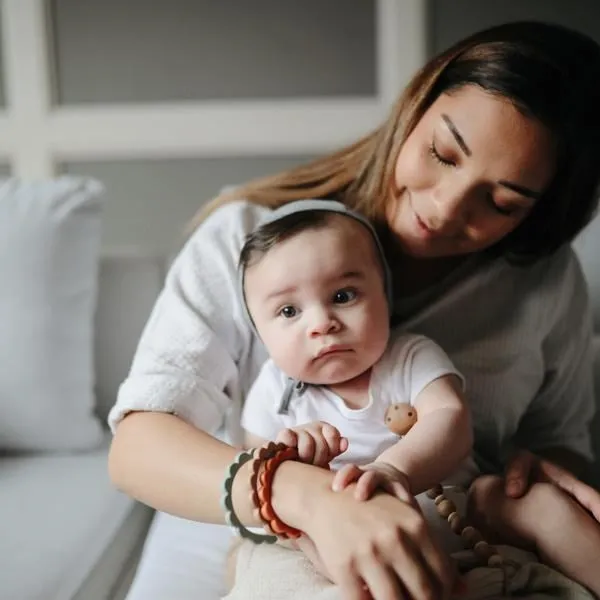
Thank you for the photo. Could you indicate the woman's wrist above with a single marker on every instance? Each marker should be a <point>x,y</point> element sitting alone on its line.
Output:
<point>297,487</point>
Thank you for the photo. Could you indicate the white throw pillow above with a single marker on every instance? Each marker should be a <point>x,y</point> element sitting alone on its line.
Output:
<point>49,247</point>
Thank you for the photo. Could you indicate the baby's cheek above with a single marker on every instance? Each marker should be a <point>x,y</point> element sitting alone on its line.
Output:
<point>291,360</point>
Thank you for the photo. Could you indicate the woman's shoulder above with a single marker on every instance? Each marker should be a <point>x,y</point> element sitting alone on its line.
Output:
<point>555,284</point>
<point>220,237</point>
<point>558,272</point>
<point>239,217</point>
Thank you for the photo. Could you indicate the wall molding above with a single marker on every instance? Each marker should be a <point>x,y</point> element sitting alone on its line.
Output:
<point>36,135</point>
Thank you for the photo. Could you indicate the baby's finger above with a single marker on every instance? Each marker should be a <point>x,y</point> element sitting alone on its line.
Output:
<point>287,437</point>
<point>368,482</point>
<point>332,437</point>
<point>397,489</point>
<point>345,476</point>
<point>322,453</point>
<point>306,446</point>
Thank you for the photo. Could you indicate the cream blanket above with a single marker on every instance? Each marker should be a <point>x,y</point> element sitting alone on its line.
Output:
<point>277,573</point>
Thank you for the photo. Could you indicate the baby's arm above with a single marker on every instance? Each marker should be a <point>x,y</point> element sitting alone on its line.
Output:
<point>431,451</point>
<point>439,441</point>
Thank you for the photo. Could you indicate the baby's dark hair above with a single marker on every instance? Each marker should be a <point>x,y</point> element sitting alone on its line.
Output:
<point>265,237</point>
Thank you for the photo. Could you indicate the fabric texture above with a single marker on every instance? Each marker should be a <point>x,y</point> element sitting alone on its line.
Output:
<point>277,573</point>
<point>409,364</point>
<point>49,246</point>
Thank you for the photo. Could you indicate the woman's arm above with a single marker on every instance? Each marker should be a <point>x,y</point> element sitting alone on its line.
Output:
<point>556,425</point>
<point>172,466</point>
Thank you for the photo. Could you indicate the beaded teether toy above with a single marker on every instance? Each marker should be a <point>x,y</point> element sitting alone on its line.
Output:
<point>399,418</point>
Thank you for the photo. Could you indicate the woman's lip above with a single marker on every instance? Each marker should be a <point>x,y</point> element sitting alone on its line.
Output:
<point>423,228</point>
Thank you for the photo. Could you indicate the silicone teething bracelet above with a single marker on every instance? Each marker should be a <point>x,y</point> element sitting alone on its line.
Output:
<point>227,502</point>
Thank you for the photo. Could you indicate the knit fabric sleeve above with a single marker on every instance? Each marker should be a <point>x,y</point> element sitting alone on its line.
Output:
<point>187,359</point>
<point>561,413</point>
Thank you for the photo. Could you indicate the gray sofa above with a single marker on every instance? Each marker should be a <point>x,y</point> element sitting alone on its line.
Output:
<point>66,533</point>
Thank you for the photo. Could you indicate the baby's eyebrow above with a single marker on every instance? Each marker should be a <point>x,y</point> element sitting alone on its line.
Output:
<point>352,275</point>
<point>283,292</point>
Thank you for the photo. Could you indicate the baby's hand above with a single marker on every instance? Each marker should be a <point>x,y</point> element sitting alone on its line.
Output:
<point>371,477</point>
<point>318,443</point>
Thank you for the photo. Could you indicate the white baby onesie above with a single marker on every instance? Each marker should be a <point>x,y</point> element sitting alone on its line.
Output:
<point>410,363</point>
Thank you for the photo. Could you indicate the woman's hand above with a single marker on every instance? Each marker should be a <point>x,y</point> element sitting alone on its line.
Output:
<point>526,468</point>
<point>318,442</point>
<point>382,545</point>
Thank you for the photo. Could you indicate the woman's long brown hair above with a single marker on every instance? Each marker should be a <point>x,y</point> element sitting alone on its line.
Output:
<point>548,72</point>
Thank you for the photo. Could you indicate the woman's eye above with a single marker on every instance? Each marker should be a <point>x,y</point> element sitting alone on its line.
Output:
<point>288,312</point>
<point>344,296</point>
<point>445,162</point>
<point>506,211</point>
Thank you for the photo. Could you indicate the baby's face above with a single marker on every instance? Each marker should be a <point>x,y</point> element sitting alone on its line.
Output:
<point>318,302</point>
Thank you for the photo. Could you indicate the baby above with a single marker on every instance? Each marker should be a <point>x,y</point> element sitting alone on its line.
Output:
<point>317,290</point>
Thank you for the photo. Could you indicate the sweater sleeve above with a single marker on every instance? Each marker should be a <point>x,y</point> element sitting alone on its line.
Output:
<point>561,413</point>
<point>187,359</point>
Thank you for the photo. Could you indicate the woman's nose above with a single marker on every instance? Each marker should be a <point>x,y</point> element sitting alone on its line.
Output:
<point>451,210</point>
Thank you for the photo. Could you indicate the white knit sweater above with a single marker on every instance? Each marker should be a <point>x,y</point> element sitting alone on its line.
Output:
<point>520,336</point>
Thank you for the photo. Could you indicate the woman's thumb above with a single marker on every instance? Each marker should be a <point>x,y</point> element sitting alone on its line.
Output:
<point>516,476</point>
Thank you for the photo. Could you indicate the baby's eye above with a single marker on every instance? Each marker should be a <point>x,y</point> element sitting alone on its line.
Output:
<point>288,312</point>
<point>344,296</point>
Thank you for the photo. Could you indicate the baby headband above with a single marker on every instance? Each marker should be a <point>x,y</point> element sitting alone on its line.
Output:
<point>331,206</point>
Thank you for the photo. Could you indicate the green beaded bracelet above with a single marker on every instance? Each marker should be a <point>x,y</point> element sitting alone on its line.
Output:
<point>227,503</point>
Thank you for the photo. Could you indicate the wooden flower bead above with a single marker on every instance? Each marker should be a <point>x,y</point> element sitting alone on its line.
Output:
<point>471,535</point>
<point>455,522</point>
<point>445,508</point>
<point>495,561</point>
<point>400,417</point>
<point>435,491</point>
<point>484,550</point>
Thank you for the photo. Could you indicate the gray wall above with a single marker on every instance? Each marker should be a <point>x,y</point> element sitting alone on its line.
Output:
<point>149,203</point>
<point>140,51</point>
<point>135,50</point>
<point>452,20</point>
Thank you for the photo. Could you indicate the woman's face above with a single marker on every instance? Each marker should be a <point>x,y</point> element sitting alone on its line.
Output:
<point>468,175</point>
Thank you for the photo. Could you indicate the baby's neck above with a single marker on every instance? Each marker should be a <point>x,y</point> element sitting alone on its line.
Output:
<point>355,391</point>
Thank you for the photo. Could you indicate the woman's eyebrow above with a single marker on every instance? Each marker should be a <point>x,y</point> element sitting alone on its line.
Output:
<point>515,187</point>
<point>520,189</point>
<point>459,138</point>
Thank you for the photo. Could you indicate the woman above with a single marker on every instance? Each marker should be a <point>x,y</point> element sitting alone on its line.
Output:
<point>485,170</point>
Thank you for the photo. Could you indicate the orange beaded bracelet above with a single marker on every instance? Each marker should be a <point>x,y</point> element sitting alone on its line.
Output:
<point>264,491</point>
